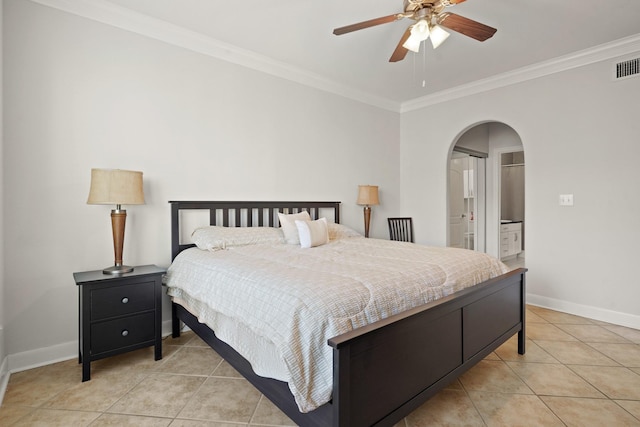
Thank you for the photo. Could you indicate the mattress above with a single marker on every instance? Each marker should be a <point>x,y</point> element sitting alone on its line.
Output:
<point>278,304</point>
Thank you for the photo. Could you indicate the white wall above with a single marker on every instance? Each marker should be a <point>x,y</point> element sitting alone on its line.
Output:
<point>3,354</point>
<point>80,94</point>
<point>580,133</point>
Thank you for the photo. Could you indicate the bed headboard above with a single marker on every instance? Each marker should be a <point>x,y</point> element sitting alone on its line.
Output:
<point>243,214</point>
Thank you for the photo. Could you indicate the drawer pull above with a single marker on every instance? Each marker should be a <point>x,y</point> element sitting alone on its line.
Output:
<point>125,300</point>
<point>125,333</point>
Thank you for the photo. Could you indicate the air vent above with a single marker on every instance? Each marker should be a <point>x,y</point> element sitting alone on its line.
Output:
<point>628,68</point>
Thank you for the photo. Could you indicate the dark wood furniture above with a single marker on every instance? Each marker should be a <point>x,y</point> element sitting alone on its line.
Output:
<point>401,229</point>
<point>118,313</point>
<point>383,371</point>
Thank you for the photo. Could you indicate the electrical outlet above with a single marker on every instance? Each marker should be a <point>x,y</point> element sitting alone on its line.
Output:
<point>566,200</point>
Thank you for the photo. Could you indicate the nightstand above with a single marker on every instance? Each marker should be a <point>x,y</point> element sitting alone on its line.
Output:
<point>118,313</point>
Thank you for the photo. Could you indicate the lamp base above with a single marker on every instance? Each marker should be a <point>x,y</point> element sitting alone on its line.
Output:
<point>118,269</point>
<point>367,219</point>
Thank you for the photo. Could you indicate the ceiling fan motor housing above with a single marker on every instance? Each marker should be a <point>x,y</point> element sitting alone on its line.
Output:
<point>422,8</point>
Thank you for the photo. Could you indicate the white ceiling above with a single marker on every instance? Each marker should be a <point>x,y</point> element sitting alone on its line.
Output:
<point>298,34</point>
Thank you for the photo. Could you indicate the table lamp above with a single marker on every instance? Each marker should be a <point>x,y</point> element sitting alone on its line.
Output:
<point>367,196</point>
<point>116,187</point>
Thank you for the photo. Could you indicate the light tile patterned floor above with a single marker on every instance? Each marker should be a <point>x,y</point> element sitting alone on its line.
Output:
<point>577,372</point>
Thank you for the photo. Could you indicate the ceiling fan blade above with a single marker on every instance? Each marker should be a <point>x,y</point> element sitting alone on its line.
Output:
<point>367,24</point>
<point>401,51</point>
<point>465,26</point>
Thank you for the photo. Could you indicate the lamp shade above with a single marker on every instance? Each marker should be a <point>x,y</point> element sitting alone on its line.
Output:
<point>412,44</point>
<point>438,35</point>
<point>420,30</point>
<point>368,195</point>
<point>115,187</point>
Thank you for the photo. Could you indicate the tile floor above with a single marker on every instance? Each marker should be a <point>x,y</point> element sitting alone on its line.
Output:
<point>577,372</point>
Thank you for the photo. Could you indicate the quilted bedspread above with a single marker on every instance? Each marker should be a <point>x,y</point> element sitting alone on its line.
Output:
<point>296,299</point>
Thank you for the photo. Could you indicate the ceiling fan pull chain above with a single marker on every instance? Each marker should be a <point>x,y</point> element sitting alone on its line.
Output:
<point>424,67</point>
<point>415,69</point>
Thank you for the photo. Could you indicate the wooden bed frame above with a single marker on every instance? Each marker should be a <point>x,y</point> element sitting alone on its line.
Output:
<point>383,371</point>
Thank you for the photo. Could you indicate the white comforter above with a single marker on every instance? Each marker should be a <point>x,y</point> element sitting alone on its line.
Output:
<point>295,299</point>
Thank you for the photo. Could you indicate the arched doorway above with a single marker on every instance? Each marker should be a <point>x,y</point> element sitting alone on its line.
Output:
<point>474,185</point>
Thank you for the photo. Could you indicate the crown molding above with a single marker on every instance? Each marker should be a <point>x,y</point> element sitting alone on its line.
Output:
<point>581,58</point>
<point>126,19</point>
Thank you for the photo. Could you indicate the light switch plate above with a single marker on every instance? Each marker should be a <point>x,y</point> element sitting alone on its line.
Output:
<point>566,200</point>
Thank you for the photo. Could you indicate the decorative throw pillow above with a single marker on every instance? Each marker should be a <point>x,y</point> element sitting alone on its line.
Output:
<point>313,233</point>
<point>288,224</point>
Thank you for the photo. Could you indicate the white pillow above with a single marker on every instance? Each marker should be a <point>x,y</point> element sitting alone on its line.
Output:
<point>214,238</point>
<point>313,233</point>
<point>288,224</point>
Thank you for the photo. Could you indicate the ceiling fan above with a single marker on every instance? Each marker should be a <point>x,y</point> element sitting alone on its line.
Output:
<point>430,17</point>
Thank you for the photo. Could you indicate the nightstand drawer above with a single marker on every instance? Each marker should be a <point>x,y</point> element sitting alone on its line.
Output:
<point>121,333</point>
<point>122,300</point>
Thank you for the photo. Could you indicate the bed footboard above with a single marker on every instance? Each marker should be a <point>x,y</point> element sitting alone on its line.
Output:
<point>382,372</point>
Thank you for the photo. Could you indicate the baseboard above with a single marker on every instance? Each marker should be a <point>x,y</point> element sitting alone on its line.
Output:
<point>42,356</point>
<point>48,355</point>
<point>596,313</point>
<point>166,328</point>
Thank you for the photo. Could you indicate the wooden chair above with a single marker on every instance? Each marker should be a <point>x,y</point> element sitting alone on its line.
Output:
<point>401,229</point>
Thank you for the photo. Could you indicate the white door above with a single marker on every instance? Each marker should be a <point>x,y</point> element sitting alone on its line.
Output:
<point>466,201</point>
<point>457,212</point>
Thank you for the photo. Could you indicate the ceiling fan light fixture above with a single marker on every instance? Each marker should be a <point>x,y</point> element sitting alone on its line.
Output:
<point>438,35</point>
<point>412,44</point>
<point>420,30</point>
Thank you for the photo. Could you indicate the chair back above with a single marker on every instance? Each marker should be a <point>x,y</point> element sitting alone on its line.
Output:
<point>401,229</point>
